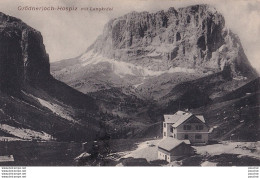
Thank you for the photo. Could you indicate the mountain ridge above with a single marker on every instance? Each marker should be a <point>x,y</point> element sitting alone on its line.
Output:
<point>199,46</point>
<point>190,37</point>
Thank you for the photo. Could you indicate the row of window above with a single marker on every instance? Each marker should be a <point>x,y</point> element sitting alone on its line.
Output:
<point>186,136</point>
<point>188,127</point>
<point>197,136</point>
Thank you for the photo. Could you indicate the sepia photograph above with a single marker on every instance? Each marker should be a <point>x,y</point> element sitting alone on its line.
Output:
<point>129,83</point>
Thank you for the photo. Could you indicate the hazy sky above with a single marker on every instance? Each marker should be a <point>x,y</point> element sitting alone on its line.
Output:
<point>68,34</point>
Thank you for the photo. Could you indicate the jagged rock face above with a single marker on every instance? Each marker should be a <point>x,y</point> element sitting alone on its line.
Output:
<point>22,54</point>
<point>192,37</point>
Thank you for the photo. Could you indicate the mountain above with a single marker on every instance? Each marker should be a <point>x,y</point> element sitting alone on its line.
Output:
<point>142,45</point>
<point>33,104</point>
<point>145,64</point>
<point>141,50</point>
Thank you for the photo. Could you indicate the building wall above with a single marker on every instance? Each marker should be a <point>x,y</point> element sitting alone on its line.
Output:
<point>179,151</point>
<point>162,154</point>
<point>167,130</point>
<point>169,158</point>
<point>174,133</point>
<point>180,132</point>
<point>182,149</point>
<point>180,128</point>
<point>192,137</point>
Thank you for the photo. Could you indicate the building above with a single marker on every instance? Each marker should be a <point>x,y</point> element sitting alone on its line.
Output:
<point>170,149</point>
<point>186,126</point>
<point>8,158</point>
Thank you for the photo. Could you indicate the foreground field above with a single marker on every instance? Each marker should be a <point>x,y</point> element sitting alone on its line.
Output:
<point>28,153</point>
<point>126,152</point>
<point>222,154</point>
<point>53,153</point>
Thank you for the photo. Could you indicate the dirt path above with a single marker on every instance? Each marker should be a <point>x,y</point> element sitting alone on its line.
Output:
<point>147,150</point>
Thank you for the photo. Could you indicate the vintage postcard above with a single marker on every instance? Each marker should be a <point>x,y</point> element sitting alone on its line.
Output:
<point>129,83</point>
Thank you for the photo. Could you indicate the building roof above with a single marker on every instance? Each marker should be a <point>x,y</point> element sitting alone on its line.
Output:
<point>201,118</point>
<point>179,117</point>
<point>170,119</point>
<point>8,158</point>
<point>170,143</point>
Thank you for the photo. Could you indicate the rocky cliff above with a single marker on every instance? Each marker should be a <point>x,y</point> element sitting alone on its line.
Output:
<point>22,54</point>
<point>33,104</point>
<point>193,37</point>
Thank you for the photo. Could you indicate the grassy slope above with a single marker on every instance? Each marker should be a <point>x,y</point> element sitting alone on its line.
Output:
<point>235,113</point>
<point>24,110</point>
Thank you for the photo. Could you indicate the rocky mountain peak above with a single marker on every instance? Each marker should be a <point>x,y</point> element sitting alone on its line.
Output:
<point>22,54</point>
<point>193,37</point>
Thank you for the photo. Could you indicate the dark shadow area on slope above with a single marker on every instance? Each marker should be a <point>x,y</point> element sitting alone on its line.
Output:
<point>194,93</point>
<point>22,109</point>
<point>66,94</point>
<point>247,89</point>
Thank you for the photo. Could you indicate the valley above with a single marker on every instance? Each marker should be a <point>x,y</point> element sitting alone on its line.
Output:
<point>108,104</point>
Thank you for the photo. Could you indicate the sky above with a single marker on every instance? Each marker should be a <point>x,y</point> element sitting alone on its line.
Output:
<point>69,34</point>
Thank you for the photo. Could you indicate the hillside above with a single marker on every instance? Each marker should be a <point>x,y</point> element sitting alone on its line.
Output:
<point>33,104</point>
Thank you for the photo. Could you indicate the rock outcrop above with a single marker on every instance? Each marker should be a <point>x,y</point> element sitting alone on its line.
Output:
<point>192,37</point>
<point>22,54</point>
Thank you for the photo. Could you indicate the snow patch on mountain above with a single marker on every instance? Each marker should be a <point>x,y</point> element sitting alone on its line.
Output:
<point>23,133</point>
<point>55,108</point>
<point>122,68</point>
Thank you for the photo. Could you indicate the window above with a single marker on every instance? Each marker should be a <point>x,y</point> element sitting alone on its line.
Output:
<point>198,136</point>
<point>187,127</point>
<point>199,127</point>
<point>164,125</point>
<point>186,136</point>
<point>164,134</point>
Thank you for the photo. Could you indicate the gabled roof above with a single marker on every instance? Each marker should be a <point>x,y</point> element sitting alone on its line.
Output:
<point>180,121</point>
<point>201,118</point>
<point>170,143</point>
<point>170,119</point>
<point>179,115</point>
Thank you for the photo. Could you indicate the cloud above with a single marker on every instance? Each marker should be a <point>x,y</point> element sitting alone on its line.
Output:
<point>68,34</point>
